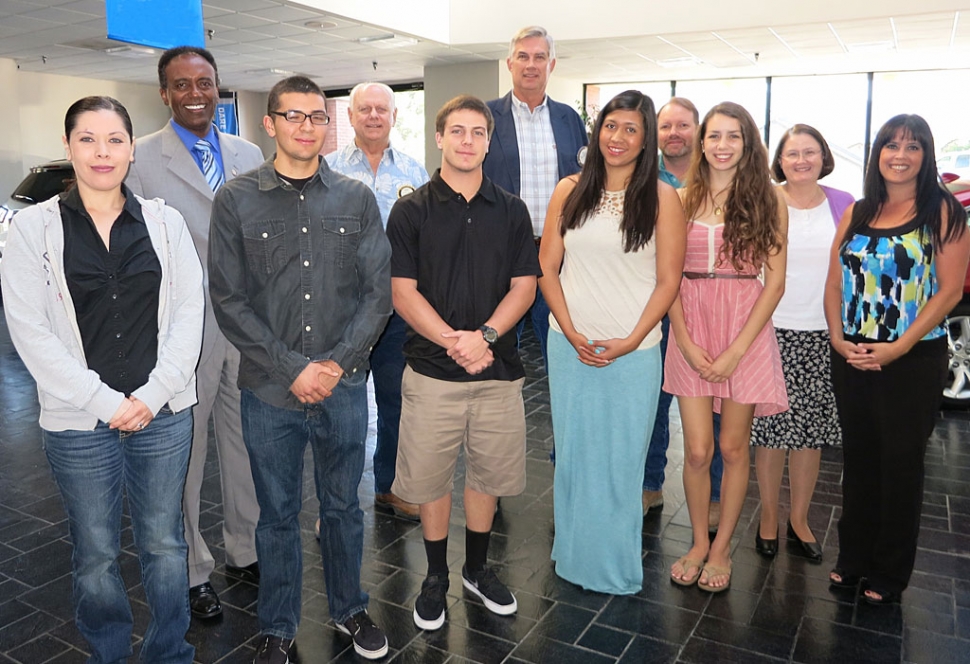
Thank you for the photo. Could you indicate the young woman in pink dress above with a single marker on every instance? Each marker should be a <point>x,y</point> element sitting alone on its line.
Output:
<point>725,357</point>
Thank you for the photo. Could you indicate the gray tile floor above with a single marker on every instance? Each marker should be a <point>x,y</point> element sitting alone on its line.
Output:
<point>776,611</point>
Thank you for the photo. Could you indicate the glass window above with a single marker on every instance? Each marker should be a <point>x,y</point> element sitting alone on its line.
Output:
<point>932,94</point>
<point>749,92</point>
<point>407,134</point>
<point>836,106</point>
<point>598,95</point>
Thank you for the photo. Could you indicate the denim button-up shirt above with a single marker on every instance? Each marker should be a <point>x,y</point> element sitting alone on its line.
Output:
<point>297,276</point>
<point>397,174</point>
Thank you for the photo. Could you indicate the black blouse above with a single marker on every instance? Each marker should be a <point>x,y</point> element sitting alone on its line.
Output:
<point>115,291</point>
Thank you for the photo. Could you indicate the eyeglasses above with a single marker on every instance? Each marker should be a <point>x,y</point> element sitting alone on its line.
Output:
<point>299,117</point>
<point>793,155</point>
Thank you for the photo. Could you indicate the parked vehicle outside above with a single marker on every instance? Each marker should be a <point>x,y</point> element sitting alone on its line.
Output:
<point>957,391</point>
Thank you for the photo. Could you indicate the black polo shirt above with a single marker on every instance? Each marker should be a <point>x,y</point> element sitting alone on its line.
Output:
<point>464,255</point>
<point>115,291</point>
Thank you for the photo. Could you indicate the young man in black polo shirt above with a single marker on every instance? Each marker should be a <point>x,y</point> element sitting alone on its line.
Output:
<point>464,269</point>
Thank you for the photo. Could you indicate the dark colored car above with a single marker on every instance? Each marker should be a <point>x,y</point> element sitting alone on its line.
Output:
<point>43,182</point>
<point>957,390</point>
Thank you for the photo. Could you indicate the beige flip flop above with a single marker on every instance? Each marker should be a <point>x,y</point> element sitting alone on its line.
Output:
<point>714,570</point>
<point>687,564</point>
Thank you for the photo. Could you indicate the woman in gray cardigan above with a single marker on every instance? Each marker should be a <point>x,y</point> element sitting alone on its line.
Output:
<point>103,298</point>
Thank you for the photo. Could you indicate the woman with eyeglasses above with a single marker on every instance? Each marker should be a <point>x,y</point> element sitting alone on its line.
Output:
<point>103,298</point>
<point>811,422</point>
<point>897,268</point>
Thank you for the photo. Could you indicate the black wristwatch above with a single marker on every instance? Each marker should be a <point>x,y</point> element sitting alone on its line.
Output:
<point>491,336</point>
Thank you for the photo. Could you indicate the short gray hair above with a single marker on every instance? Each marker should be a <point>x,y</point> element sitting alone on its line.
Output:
<point>360,87</point>
<point>533,31</point>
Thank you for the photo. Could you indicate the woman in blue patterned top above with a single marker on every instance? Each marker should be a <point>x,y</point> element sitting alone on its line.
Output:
<point>897,268</point>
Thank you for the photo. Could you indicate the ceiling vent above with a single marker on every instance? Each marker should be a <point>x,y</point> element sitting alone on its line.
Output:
<point>112,47</point>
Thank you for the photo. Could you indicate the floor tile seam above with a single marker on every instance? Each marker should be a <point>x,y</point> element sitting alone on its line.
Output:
<point>47,634</point>
<point>754,627</point>
<point>693,630</point>
<point>571,645</point>
<point>744,650</point>
<point>28,515</point>
<point>862,629</point>
<point>593,621</point>
<point>35,611</point>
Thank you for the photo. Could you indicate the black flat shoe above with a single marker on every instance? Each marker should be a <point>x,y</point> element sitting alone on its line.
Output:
<point>845,580</point>
<point>248,573</point>
<point>204,602</point>
<point>766,547</point>
<point>880,597</point>
<point>811,550</point>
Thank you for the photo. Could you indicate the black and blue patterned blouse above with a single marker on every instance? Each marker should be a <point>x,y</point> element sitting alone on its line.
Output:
<point>888,275</point>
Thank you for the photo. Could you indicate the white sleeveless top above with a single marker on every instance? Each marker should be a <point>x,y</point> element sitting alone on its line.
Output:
<point>606,289</point>
<point>810,236</point>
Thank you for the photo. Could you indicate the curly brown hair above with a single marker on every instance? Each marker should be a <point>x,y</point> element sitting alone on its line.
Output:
<point>751,232</point>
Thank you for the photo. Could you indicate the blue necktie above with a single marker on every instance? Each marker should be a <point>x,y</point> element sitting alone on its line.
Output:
<point>210,167</point>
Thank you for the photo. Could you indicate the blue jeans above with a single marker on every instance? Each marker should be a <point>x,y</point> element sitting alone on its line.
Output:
<point>540,323</point>
<point>653,473</point>
<point>387,367</point>
<point>92,470</point>
<point>276,438</point>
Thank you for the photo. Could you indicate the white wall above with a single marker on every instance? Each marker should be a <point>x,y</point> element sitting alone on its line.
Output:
<point>11,166</point>
<point>252,108</point>
<point>442,84</point>
<point>44,98</point>
<point>32,116</point>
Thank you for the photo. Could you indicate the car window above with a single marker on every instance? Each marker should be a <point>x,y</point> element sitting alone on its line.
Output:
<point>39,186</point>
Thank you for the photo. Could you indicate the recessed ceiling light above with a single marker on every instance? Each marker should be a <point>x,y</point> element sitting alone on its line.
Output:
<point>688,61</point>
<point>320,25</point>
<point>387,40</point>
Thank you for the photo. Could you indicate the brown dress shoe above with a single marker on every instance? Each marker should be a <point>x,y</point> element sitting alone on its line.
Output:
<point>400,507</point>
<point>652,500</point>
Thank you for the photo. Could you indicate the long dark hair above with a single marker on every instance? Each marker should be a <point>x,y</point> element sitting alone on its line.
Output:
<point>97,103</point>
<point>641,202</point>
<point>931,196</point>
<point>751,209</point>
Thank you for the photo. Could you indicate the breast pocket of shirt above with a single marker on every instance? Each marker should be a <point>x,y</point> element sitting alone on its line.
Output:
<point>265,244</point>
<point>341,238</point>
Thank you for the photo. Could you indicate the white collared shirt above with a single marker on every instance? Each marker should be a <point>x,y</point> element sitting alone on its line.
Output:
<point>538,160</point>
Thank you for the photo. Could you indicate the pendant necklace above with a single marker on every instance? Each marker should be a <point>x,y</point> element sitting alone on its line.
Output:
<point>717,208</point>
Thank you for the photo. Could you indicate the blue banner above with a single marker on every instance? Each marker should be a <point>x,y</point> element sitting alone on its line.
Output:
<point>157,23</point>
<point>226,117</point>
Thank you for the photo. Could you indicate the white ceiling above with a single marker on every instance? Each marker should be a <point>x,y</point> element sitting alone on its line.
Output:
<point>250,38</point>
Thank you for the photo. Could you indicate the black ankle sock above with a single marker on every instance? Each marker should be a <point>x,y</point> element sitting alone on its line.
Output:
<point>476,550</point>
<point>437,556</point>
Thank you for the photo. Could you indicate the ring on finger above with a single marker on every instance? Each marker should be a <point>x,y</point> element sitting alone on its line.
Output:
<point>141,425</point>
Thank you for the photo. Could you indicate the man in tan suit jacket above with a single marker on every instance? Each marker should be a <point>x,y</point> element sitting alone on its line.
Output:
<point>174,164</point>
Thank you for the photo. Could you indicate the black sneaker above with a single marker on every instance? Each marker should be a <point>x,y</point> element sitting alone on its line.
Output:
<point>429,608</point>
<point>493,592</point>
<point>273,650</point>
<point>369,639</point>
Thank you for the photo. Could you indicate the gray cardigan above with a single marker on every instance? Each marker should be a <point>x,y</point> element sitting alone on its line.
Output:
<point>43,326</point>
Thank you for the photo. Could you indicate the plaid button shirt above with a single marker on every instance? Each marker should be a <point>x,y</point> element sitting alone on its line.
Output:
<point>538,161</point>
